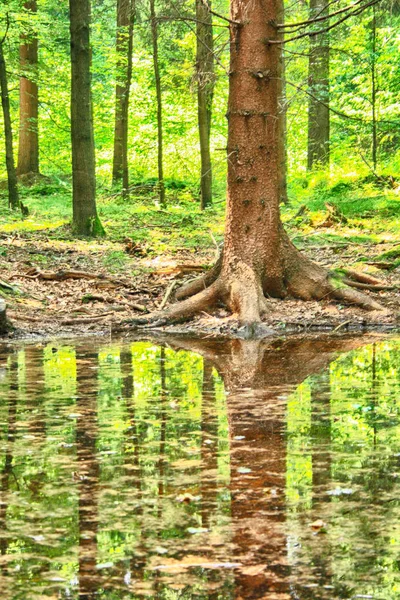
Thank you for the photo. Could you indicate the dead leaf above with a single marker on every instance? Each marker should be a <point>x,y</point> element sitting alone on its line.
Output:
<point>318,525</point>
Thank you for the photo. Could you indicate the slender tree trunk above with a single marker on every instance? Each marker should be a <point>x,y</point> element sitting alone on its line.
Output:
<point>124,46</point>
<point>85,219</point>
<point>205,92</point>
<point>283,194</point>
<point>318,78</point>
<point>154,33</point>
<point>13,196</point>
<point>373,94</point>
<point>28,150</point>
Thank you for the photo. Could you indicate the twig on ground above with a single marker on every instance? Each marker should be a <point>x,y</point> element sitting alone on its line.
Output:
<point>168,294</point>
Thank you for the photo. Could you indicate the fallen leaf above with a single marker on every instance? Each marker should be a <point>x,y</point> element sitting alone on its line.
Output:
<point>318,525</point>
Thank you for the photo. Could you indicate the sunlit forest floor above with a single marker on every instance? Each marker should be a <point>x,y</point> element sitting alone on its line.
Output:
<point>60,284</point>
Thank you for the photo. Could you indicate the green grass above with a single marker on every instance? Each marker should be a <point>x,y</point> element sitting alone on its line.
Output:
<point>370,210</point>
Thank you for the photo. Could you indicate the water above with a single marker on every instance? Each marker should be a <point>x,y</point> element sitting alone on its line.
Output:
<point>219,471</point>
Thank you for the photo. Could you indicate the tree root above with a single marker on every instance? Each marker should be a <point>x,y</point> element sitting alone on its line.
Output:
<point>182,311</point>
<point>239,288</point>
<point>200,283</point>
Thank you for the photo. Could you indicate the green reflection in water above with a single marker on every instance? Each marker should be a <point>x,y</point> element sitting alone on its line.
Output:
<point>133,470</point>
<point>345,472</point>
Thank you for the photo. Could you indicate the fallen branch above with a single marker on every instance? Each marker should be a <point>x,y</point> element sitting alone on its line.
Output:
<point>168,294</point>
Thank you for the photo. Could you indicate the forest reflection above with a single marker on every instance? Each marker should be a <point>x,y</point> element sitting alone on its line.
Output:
<point>204,470</point>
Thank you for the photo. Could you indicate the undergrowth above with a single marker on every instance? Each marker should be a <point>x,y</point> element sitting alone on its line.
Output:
<point>322,210</point>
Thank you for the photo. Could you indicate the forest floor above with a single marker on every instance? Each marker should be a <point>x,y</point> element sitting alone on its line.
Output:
<point>56,285</point>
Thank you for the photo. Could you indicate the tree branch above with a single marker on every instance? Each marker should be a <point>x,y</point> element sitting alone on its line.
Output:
<point>317,19</point>
<point>208,7</point>
<point>326,29</point>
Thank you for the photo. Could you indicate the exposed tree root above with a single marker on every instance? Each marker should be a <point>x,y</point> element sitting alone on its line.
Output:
<point>200,283</point>
<point>239,287</point>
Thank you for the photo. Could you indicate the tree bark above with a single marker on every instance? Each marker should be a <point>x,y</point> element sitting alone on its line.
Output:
<point>124,47</point>
<point>85,219</point>
<point>283,160</point>
<point>318,78</point>
<point>374,92</point>
<point>205,91</point>
<point>13,195</point>
<point>160,152</point>
<point>28,149</point>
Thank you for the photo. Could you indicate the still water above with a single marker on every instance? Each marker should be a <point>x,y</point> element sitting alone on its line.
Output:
<point>200,471</point>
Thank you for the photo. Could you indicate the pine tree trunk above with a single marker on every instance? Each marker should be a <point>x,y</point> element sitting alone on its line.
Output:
<point>124,47</point>
<point>374,92</point>
<point>205,92</point>
<point>13,196</point>
<point>28,150</point>
<point>283,162</point>
<point>318,107</point>
<point>154,33</point>
<point>252,233</point>
<point>85,219</point>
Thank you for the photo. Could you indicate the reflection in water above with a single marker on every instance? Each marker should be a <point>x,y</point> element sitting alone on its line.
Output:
<point>221,471</point>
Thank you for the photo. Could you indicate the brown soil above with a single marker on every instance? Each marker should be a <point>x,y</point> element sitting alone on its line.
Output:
<point>74,304</point>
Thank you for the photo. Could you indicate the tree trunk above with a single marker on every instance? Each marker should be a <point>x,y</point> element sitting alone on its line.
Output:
<point>318,78</point>
<point>13,196</point>
<point>28,149</point>
<point>283,169</point>
<point>258,260</point>
<point>373,92</point>
<point>154,33</point>
<point>124,47</point>
<point>205,92</point>
<point>85,219</point>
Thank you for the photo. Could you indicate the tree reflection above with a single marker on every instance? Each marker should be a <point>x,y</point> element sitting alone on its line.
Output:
<point>258,376</point>
<point>200,477</point>
<point>88,471</point>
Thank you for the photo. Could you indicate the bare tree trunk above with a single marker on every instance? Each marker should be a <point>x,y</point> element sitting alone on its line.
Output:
<point>154,33</point>
<point>13,196</point>
<point>318,107</point>
<point>124,46</point>
<point>28,150</point>
<point>373,94</point>
<point>85,219</point>
<point>283,194</point>
<point>205,92</point>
